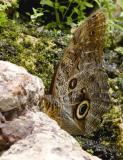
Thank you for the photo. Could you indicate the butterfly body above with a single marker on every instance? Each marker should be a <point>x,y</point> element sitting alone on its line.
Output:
<point>79,87</point>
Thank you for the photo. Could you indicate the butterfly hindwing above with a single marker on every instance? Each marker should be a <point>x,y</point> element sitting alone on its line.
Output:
<point>80,83</point>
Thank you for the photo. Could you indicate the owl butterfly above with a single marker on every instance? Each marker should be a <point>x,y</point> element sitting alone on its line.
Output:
<point>79,91</point>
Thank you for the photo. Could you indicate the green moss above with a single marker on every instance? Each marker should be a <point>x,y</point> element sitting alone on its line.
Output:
<point>3,20</point>
<point>37,51</point>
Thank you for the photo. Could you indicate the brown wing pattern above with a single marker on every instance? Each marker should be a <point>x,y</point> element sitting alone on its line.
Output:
<point>80,84</point>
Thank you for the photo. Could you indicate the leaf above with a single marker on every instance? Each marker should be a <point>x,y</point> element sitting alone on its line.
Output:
<point>69,20</point>
<point>98,2</point>
<point>47,2</point>
<point>119,18</point>
<point>76,10</point>
<point>119,49</point>
<point>62,9</point>
<point>70,1</point>
<point>88,5</point>
<point>57,5</point>
<point>120,3</point>
<point>121,15</point>
<point>36,14</point>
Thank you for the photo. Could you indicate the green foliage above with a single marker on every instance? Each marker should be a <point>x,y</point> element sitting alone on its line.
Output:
<point>9,10</point>
<point>3,16</point>
<point>37,14</point>
<point>3,20</point>
<point>114,24</point>
<point>120,50</point>
<point>5,11</point>
<point>3,7</point>
<point>120,3</point>
<point>66,13</point>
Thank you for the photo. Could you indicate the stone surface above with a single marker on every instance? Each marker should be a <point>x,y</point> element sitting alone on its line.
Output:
<point>47,141</point>
<point>18,88</point>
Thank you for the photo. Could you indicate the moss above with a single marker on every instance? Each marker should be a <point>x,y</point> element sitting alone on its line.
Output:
<point>36,50</point>
<point>3,20</point>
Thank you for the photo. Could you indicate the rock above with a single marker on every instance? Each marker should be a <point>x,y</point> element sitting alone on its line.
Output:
<point>47,141</point>
<point>18,88</point>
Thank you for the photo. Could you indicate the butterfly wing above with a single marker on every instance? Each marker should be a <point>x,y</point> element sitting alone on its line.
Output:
<point>80,83</point>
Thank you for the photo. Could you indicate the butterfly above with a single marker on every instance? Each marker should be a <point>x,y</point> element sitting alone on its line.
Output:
<point>79,91</point>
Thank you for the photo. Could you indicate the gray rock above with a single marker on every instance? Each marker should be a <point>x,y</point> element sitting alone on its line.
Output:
<point>46,142</point>
<point>18,88</point>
